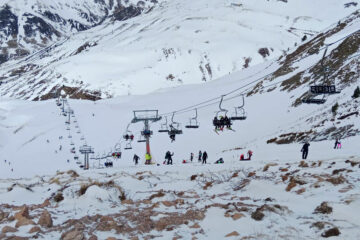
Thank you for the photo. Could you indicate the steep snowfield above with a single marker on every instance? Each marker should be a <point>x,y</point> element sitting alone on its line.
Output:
<point>176,43</point>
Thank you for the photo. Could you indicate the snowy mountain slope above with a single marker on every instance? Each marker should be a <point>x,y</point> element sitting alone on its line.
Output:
<point>272,117</point>
<point>28,26</point>
<point>176,43</point>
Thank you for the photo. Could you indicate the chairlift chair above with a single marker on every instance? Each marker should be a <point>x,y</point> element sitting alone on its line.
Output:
<point>316,90</point>
<point>141,138</point>
<point>72,143</point>
<point>117,151</point>
<point>193,122</point>
<point>128,146</point>
<point>82,138</point>
<point>216,120</point>
<point>128,135</point>
<point>164,126</point>
<point>239,113</point>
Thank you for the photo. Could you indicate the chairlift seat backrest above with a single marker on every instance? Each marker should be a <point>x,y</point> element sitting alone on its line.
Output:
<point>323,89</point>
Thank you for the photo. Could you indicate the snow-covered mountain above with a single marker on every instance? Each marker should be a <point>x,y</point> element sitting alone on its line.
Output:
<point>29,26</point>
<point>172,43</point>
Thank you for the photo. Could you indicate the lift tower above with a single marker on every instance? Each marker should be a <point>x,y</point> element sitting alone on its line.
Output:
<point>146,116</point>
<point>86,150</point>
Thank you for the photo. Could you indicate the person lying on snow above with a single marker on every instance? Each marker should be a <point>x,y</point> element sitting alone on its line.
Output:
<point>219,161</point>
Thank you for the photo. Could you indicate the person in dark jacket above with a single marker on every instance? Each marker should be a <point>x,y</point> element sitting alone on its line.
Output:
<point>168,157</point>
<point>305,150</point>
<point>200,156</point>
<point>136,159</point>
<point>191,157</point>
<point>204,157</point>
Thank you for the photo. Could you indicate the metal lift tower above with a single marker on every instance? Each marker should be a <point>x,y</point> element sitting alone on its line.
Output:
<point>146,116</point>
<point>86,150</point>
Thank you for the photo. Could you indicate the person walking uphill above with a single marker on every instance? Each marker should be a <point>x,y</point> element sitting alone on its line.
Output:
<point>305,150</point>
<point>136,159</point>
<point>204,157</point>
<point>168,157</point>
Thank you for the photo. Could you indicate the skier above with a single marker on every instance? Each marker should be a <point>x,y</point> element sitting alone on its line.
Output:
<point>242,158</point>
<point>200,156</point>
<point>337,144</point>
<point>168,157</point>
<point>221,160</point>
<point>216,123</point>
<point>204,157</point>
<point>147,158</point>
<point>60,147</point>
<point>227,122</point>
<point>305,150</point>
<point>191,157</point>
<point>172,137</point>
<point>136,159</point>
<point>250,153</point>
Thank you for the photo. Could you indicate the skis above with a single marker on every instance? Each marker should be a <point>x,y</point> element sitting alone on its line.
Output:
<point>217,131</point>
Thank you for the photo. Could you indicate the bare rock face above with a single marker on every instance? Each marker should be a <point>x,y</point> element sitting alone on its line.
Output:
<point>73,235</point>
<point>93,237</point>
<point>45,219</point>
<point>8,229</point>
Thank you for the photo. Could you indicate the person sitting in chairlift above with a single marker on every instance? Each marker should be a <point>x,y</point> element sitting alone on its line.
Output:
<point>172,137</point>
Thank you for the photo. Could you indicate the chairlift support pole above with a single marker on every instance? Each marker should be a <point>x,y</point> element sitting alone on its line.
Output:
<point>146,116</point>
<point>86,150</point>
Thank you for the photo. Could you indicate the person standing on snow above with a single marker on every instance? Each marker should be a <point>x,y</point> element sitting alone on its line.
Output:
<point>200,156</point>
<point>168,157</point>
<point>136,159</point>
<point>191,157</point>
<point>204,157</point>
<point>147,159</point>
<point>305,150</point>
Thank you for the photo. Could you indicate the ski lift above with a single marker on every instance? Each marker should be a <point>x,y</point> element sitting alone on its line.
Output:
<point>141,138</point>
<point>67,128</point>
<point>76,157</point>
<point>69,136</point>
<point>221,121</point>
<point>128,136</point>
<point>76,126</point>
<point>128,146</point>
<point>193,122</point>
<point>164,126</point>
<point>175,128</point>
<point>72,143</point>
<point>239,113</point>
<point>108,163</point>
<point>117,151</point>
<point>78,131</point>
<point>82,138</point>
<point>316,90</point>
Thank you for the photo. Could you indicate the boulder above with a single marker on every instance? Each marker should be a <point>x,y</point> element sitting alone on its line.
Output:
<point>73,235</point>
<point>45,219</point>
<point>23,222</point>
<point>8,229</point>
